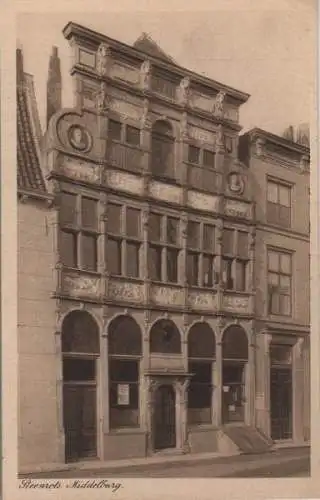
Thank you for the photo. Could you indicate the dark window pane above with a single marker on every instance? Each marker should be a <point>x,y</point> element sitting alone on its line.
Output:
<point>200,389</point>
<point>68,249</point>
<point>241,275</point>
<point>281,354</point>
<point>114,130</point>
<point>284,216</point>
<point>114,218</point>
<point>285,263</point>
<point>207,265</point>
<point>193,235</point>
<point>133,259</point>
<point>124,336</point>
<point>243,244</point>
<point>89,252</point>
<point>113,256</point>
<point>209,180</point>
<point>227,274</point>
<point>68,210</point>
<point>124,370</point>
<point>195,176</point>
<point>133,135</point>
<point>162,156</point>
<point>172,265</point>
<point>194,154</point>
<point>227,241</point>
<point>155,227</point>
<point>192,268</point>
<point>133,223</point>
<point>75,370</point>
<point>285,305</point>
<point>89,216</point>
<point>154,263</point>
<point>208,158</point>
<point>208,238</point>
<point>202,371</point>
<point>172,230</point>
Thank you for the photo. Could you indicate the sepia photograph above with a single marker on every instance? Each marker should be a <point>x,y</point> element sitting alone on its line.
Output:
<point>163,205</point>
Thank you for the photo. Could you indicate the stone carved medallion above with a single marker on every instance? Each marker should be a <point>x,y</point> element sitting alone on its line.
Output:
<point>125,291</point>
<point>79,138</point>
<point>235,183</point>
<point>81,285</point>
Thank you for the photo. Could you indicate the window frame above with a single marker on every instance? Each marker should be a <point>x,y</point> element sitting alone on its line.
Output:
<point>233,258</point>
<point>199,253</point>
<point>124,133</point>
<point>202,169</point>
<point>78,230</point>
<point>280,274</point>
<point>163,246</point>
<point>124,240</point>
<point>278,183</point>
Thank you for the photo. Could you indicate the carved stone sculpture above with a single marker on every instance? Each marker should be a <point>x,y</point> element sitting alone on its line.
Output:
<point>103,59</point>
<point>183,90</point>
<point>102,99</point>
<point>145,71</point>
<point>218,108</point>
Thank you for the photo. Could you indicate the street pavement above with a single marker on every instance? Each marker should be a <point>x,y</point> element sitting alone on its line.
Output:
<point>294,462</point>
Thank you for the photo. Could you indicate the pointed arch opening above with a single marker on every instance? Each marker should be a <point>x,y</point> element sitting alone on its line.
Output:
<point>124,352</point>
<point>201,355</point>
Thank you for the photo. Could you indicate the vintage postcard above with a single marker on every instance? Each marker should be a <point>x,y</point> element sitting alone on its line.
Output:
<point>163,182</point>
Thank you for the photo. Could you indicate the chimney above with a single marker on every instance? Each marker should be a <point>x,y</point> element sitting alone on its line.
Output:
<point>54,82</point>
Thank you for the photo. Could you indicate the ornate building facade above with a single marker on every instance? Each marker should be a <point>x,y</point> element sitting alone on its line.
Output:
<point>152,335</point>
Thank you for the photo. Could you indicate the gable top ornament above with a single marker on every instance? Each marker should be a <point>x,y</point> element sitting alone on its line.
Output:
<point>103,59</point>
<point>218,108</point>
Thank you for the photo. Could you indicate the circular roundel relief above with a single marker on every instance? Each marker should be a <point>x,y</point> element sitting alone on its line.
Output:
<point>235,183</point>
<point>79,138</point>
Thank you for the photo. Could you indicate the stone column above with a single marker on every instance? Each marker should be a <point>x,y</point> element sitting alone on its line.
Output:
<point>185,445</point>
<point>298,390</point>
<point>61,432</point>
<point>217,399</point>
<point>250,385</point>
<point>104,355</point>
<point>151,388</point>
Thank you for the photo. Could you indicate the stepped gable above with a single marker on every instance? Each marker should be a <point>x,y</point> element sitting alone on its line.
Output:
<point>145,44</point>
<point>30,176</point>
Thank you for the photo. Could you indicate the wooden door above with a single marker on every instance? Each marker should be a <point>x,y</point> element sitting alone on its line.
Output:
<point>165,418</point>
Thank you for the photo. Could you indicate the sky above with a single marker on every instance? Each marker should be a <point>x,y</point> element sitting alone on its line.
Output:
<point>266,49</point>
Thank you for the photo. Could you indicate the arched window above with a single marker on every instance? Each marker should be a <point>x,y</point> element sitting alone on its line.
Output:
<point>162,150</point>
<point>125,350</point>
<point>235,344</point>
<point>201,354</point>
<point>165,338</point>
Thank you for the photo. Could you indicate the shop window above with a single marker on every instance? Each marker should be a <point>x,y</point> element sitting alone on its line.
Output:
<point>125,350</point>
<point>201,354</point>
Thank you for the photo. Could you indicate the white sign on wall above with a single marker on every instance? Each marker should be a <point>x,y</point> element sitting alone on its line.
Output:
<point>123,395</point>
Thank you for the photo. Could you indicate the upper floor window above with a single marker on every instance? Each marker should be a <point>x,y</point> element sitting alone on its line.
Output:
<point>279,282</point>
<point>162,150</point>
<point>163,248</point>
<point>201,165</point>
<point>201,254</point>
<point>78,231</point>
<point>123,148</point>
<point>124,241</point>
<point>235,257</point>
<point>123,133</point>
<point>278,203</point>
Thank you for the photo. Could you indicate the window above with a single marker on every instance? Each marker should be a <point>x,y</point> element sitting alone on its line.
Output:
<point>124,341</point>
<point>235,258</point>
<point>201,353</point>
<point>123,148</point>
<point>78,231</point>
<point>201,169</point>
<point>279,204</point>
<point>162,150</point>
<point>164,248</point>
<point>279,282</point>
<point>123,241</point>
<point>114,130</point>
<point>132,136</point>
<point>200,255</point>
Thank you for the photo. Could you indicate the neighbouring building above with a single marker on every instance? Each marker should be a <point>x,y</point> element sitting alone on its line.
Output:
<point>152,313</point>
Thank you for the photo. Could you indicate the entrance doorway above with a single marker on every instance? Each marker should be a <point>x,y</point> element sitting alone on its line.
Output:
<point>80,348</point>
<point>281,392</point>
<point>165,418</point>
<point>234,362</point>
